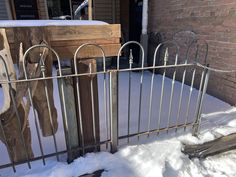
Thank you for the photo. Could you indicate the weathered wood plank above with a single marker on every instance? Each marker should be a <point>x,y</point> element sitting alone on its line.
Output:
<point>29,37</point>
<point>210,148</point>
<point>69,113</point>
<point>59,33</point>
<point>83,41</point>
<point>65,39</point>
<point>87,52</point>
<point>86,103</point>
<point>19,144</point>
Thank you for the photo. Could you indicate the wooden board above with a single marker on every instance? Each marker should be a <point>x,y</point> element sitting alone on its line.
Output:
<point>87,52</point>
<point>219,145</point>
<point>60,33</point>
<point>66,39</point>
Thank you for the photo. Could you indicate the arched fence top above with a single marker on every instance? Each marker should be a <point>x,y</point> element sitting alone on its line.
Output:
<point>85,45</point>
<point>126,44</point>
<point>40,46</point>
<point>197,42</point>
<point>173,43</point>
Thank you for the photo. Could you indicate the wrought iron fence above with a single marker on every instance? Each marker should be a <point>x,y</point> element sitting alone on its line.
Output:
<point>108,126</point>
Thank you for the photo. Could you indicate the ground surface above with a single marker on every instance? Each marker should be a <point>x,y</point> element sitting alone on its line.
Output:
<point>151,157</point>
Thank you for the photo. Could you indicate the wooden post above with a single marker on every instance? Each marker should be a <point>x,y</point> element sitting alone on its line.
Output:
<point>67,96</point>
<point>90,9</point>
<point>86,103</point>
<point>114,110</point>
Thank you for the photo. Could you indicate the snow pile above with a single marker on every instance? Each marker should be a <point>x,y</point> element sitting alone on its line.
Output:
<point>157,157</point>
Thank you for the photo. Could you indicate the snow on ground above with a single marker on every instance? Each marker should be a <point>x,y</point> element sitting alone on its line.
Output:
<point>155,156</point>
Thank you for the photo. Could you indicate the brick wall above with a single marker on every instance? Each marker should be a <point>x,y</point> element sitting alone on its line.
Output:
<point>212,20</point>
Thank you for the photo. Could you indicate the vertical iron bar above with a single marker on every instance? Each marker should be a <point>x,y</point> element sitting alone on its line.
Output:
<point>140,102</point>
<point>42,65</point>
<point>36,125</point>
<point>172,93</point>
<point>150,101</point>
<point>113,84</point>
<point>105,105</point>
<point>65,118</point>
<point>91,84</point>
<point>141,79</point>
<point>80,113</point>
<point>16,111</point>
<point>180,98</point>
<point>129,92</point>
<point>199,107</point>
<point>93,112</point>
<point>20,125</point>
<point>162,89</point>
<point>189,99</point>
<point>30,93</point>
<point>200,92</point>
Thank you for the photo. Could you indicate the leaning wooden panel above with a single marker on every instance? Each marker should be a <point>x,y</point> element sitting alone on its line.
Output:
<point>88,51</point>
<point>60,33</point>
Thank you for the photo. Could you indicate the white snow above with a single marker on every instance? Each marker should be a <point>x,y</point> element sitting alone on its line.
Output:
<point>29,23</point>
<point>156,156</point>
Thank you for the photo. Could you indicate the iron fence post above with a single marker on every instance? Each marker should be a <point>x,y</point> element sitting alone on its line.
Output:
<point>113,84</point>
<point>197,122</point>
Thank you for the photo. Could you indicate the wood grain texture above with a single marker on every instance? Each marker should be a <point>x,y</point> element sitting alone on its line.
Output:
<point>86,103</point>
<point>59,33</point>
<point>29,37</point>
<point>69,113</point>
<point>66,39</point>
<point>210,148</point>
<point>11,126</point>
<point>88,52</point>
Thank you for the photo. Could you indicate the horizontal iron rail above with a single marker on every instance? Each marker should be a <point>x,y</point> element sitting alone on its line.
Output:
<point>94,73</point>
<point>56,154</point>
<point>155,131</point>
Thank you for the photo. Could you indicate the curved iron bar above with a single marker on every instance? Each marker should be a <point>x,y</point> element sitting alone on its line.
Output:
<point>182,31</point>
<point>46,92</point>
<point>173,43</point>
<point>126,44</point>
<point>183,80</point>
<point>197,41</point>
<point>92,97</point>
<point>1,126</point>
<point>141,82</point>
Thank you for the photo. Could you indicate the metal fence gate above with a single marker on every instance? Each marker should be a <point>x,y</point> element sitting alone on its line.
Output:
<point>134,102</point>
